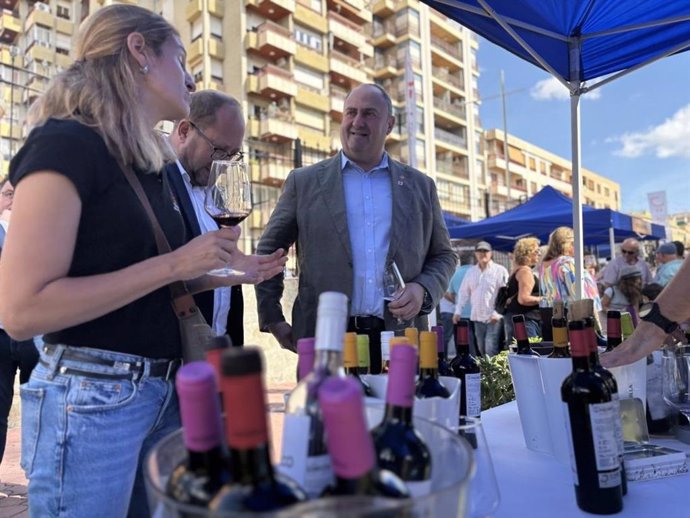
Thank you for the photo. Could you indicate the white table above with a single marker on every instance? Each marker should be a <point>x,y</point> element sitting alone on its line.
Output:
<point>536,485</point>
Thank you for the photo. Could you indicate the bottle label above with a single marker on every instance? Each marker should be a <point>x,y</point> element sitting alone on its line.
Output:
<point>419,488</point>
<point>603,419</point>
<point>610,479</point>
<point>473,394</point>
<point>618,424</point>
<point>571,448</point>
<point>312,473</point>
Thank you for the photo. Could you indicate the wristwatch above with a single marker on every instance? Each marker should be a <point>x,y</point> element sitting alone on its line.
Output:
<point>651,313</point>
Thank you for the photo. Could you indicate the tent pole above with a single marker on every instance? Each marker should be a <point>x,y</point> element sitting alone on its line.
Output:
<point>612,241</point>
<point>577,193</point>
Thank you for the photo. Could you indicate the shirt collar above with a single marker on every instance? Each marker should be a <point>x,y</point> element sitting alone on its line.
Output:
<point>185,174</point>
<point>344,162</point>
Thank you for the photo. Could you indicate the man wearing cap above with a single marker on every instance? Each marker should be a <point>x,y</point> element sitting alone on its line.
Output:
<point>630,254</point>
<point>480,287</point>
<point>668,263</point>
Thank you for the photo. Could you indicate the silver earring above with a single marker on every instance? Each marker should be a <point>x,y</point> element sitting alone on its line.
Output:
<point>144,69</point>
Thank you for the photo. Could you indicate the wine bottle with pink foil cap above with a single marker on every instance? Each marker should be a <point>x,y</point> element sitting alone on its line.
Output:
<point>399,447</point>
<point>443,366</point>
<point>253,485</point>
<point>197,480</point>
<point>350,444</point>
<point>305,357</point>
<point>304,456</point>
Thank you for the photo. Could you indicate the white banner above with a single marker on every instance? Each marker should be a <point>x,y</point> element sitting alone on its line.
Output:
<point>658,207</point>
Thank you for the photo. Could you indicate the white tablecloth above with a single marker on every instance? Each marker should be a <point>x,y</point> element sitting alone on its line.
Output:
<point>535,485</point>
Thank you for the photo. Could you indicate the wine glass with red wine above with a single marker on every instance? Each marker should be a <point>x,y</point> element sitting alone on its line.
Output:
<point>228,198</point>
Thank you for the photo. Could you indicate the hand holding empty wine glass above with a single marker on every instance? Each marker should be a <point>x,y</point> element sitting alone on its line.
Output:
<point>228,198</point>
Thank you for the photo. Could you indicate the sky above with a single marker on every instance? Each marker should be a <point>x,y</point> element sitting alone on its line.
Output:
<point>635,130</point>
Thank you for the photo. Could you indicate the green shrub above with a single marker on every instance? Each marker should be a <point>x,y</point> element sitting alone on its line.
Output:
<point>497,385</point>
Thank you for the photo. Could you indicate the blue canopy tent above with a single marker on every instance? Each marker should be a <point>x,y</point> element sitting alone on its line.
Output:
<point>547,210</point>
<point>453,221</point>
<point>578,41</point>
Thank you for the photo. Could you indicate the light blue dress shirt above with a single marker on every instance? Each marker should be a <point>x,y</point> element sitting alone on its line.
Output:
<point>369,205</point>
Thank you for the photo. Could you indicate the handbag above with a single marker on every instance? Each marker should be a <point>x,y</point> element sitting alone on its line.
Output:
<point>194,330</point>
<point>502,300</point>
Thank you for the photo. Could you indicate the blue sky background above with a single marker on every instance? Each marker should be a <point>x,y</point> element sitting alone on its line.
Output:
<point>635,130</point>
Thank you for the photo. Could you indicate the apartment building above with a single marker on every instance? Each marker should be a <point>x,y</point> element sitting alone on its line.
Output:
<point>532,168</point>
<point>291,63</point>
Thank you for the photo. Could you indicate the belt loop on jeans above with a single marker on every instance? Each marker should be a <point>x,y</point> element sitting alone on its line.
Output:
<point>54,354</point>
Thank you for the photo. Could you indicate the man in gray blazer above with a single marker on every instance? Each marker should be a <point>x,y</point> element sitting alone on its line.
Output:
<point>350,216</point>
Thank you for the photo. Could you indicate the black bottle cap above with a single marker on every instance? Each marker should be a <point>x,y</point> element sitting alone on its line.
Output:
<point>576,325</point>
<point>242,361</point>
<point>218,342</point>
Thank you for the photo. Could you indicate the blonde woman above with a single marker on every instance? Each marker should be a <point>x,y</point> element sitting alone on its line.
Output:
<point>81,266</point>
<point>557,277</point>
<point>523,289</point>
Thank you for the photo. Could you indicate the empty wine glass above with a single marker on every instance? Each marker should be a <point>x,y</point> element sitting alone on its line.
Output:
<point>393,284</point>
<point>228,198</point>
<point>675,380</point>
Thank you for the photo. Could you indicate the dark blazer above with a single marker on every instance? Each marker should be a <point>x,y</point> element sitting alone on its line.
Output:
<point>235,325</point>
<point>311,212</point>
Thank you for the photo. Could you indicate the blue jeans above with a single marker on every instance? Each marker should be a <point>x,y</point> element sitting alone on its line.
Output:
<point>486,334</point>
<point>84,438</point>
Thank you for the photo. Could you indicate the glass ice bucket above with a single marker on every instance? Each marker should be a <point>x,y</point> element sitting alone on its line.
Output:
<point>452,468</point>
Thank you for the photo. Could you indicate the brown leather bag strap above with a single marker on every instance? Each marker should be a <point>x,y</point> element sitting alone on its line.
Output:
<point>178,289</point>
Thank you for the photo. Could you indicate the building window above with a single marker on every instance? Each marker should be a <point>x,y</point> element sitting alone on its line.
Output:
<point>216,27</point>
<point>308,38</point>
<point>63,12</point>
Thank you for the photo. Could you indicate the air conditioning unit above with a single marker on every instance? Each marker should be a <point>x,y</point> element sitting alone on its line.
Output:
<point>42,7</point>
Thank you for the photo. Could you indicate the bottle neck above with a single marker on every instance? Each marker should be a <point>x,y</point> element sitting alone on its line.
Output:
<point>328,360</point>
<point>397,413</point>
<point>523,347</point>
<point>251,466</point>
<point>210,461</point>
<point>462,349</point>
<point>428,372</point>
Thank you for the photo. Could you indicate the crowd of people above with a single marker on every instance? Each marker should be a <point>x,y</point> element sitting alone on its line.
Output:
<point>91,288</point>
<point>542,275</point>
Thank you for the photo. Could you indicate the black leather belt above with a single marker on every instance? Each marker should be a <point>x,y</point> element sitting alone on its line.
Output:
<point>165,369</point>
<point>367,323</point>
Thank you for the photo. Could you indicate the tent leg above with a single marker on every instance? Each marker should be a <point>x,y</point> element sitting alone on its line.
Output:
<point>577,193</point>
<point>612,242</point>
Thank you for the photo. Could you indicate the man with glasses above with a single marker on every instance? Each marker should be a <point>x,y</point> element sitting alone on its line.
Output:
<point>213,131</point>
<point>630,255</point>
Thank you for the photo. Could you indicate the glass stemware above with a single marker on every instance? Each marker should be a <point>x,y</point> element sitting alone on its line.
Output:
<point>675,380</point>
<point>228,198</point>
<point>393,284</point>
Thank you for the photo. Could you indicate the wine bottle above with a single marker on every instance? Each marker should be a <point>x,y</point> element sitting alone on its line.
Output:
<point>363,362</point>
<point>350,445</point>
<point>590,420</point>
<point>428,384</point>
<point>197,480</point>
<point>214,351</point>
<point>465,367</point>
<point>443,368</point>
<point>399,447</point>
<point>305,458</point>
<point>305,357</point>
<point>253,484</point>
<point>412,334</point>
<point>627,325</point>
<point>559,330</point>
<point>520,332</point>
<point>613,388</point>
<point>351,361</point>
<point>386,349</point>
<point>613,330</point>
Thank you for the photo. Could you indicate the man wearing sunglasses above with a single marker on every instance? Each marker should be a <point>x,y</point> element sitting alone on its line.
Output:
<point>630,255</point>
<point>213,131</point>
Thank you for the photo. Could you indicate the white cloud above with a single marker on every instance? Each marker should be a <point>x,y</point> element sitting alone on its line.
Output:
<point>671,138</point>
<point>552,90</point>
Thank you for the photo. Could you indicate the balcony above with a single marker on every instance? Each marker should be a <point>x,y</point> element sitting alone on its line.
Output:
<point>64,26</point>
<point>314,140</point>
<point>454,50</point>
<point>346,71</point>
<point>272,41</point>
<point>274,171</point>
<point>8,4</point>
<point>312,98</point>
<point>16,130</point>
<point>40,53</point>
<point>453,114</point>
<point>195,51</point>
<point>195,8</point>
<point>310,18</point>
<point>277,129</point>
<point>63,61</point>
<point>311,58</point>
<point>443,74</point>
<point>10,26</point>
<point>383,67</point>
<point>39,16</point>
<point>456,168</point>
<point>383,8</point>
<point>349,32</point>
<point>337,101</point>
<point>354,10</point>
<point>447,137</point>
<point>383,34</point>
<point>273,83</point>
<point>272,9</point>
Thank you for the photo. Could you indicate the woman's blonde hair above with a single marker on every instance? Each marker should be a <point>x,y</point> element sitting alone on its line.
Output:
<point>558,240</point>
<point>523,250</point>
<point>100,88</point>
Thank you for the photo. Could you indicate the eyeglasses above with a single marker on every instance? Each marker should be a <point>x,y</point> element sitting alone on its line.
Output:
<point>8,194</point>
<point>629,252</point>
<point>218,153</point>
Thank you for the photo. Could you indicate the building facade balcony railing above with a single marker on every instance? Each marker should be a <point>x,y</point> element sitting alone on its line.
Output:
<point>457,169</point>
<point>452,49</point>
<point>443,74</point>
<point>459,110</point>
<point>347,31</point>
<point>347,67</point>
<point>450,138</point>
